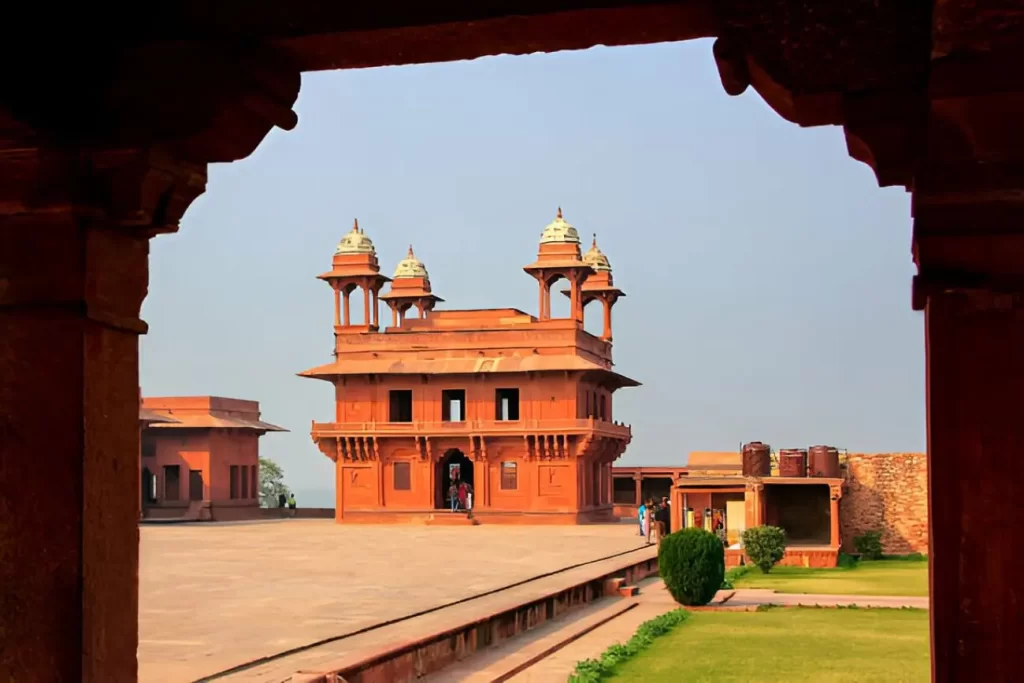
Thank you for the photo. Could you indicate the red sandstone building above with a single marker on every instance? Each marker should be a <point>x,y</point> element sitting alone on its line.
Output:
<point>200,456</point>
<point>520,407</point>
<point>821,504</point>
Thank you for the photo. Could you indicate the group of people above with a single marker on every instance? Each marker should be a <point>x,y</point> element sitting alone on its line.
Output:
<point>460,494</point>
<point>655,518</point>
<point>287,500</point>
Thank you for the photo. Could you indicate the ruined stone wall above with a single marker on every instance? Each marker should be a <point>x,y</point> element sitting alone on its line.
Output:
<point>886,492</point>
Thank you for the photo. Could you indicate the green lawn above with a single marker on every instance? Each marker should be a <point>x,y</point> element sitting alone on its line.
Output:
<point>877,577</point>
<point>788,645</point>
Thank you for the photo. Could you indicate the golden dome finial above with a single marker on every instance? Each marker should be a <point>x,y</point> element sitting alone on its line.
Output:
<point>410,254</point>
<point>559,212</point>
<point>355,225</point>
<point>594,243</point>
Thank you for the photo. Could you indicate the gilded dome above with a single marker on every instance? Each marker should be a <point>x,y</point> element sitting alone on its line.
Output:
<point>596,259</point>
<point>410,266</point>
<point>355,242</point>
<point>558,231</point>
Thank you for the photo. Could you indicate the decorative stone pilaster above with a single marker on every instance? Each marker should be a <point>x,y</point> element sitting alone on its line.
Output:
<point>74,246</point>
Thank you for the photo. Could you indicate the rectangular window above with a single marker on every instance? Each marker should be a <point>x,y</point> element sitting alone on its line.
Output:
<point>403,478</point>
<point>233,486</point>
<point>148,446</point>
<point>453,405</point>
<point>400,405</point>
<point>172,482</point>
<point>506,404</point>
<point>245,481</point>
<point>509,476</point>
<point>255,471</point>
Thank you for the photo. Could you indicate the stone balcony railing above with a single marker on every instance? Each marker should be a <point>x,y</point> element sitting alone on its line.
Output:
<point>474,428</point>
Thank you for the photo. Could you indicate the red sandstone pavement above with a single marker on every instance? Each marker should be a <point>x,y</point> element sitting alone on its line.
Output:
<point>215,596</point>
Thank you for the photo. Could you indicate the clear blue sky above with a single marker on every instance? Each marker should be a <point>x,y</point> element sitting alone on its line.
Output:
<point>768,277</point>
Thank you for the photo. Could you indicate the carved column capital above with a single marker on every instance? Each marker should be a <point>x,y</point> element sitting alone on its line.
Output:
<point>147,189</point>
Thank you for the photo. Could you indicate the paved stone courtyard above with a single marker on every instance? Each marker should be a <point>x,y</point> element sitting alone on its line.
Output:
<point>213,596</point>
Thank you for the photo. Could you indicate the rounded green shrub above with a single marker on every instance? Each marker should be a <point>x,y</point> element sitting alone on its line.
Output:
<point>765,546</point>
<point>692,564</point>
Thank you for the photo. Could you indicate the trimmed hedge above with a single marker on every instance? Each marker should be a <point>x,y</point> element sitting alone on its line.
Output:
<point>597,670</point>
<point>692,564</point>
<point>765,546</point>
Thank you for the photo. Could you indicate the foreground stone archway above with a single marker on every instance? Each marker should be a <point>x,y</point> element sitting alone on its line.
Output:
<point>105,144</point>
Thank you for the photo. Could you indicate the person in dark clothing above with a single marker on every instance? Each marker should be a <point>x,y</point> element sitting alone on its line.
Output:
<point>661,519</point>
<point>282,500</point>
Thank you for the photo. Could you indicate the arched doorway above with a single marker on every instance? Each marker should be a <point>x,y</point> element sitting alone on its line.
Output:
<point>454,466</point>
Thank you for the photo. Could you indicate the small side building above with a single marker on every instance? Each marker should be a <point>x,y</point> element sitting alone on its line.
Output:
<point>200,456</point>
<point>720,494</point>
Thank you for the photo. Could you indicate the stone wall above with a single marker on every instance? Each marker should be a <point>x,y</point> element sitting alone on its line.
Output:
<point>886,492</point>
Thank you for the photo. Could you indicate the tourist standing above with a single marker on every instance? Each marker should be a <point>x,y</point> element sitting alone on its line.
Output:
<point>640,517</point>
<point>292,504</point>
<point>463,495</point>
<point>453,495</point>
<point>648,518</point>
<point>661,519</point>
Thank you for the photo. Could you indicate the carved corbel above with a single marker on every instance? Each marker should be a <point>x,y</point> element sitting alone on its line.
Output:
<point>835,491</point>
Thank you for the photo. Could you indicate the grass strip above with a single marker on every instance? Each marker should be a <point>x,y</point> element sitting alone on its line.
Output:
<point>597,670</point>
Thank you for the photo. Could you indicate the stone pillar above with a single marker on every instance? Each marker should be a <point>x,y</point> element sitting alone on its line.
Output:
<point>574,297</point>
<point>975,381</point>
<point>835,493</point>
<point>74,248</point>
<point>607,336</point>
<point>337,306</point>
<point>540,300</point>
<point>637,478</point>
<point>348,309</point>
<point>366,305</point>
<point>376,308</point>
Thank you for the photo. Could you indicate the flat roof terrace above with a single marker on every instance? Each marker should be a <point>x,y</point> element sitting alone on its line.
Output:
<point>214,596</point>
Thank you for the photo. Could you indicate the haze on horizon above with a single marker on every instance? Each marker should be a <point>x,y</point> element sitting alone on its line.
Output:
<point>767,275</point>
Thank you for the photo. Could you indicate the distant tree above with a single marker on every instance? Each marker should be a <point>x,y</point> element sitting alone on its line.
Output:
<point>271,483</point>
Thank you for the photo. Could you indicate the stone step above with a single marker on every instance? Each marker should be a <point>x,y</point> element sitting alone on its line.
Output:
<point>451,519</point>
<point>509,659</point>
<point>612,586</point>
<point>629,591</point>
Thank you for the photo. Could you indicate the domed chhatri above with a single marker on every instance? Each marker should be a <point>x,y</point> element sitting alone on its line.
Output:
<point>559,231</point>
<point>410,267</point>
<point>355,242</point>
<point>596,259</point>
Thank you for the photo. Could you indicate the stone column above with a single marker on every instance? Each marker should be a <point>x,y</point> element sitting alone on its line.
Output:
<point>74,248</point>
<point>540,299</point>
<point>835,493</point>
<point>348,308</point>
<point>969,248</point>
<point>637,478</point>
<point>337,306</point>
<point>975,381</point>
<point>607,335</point>
<point>376,308</point>
<point>366,305</point>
